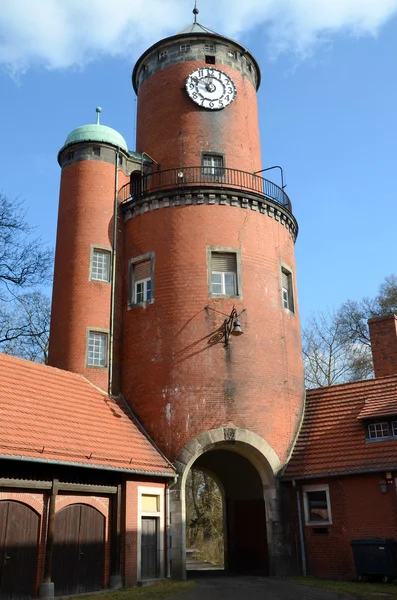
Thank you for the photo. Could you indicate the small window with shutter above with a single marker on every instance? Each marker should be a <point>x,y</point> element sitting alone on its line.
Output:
<point>287,296</point>
<point>224,274</point>
<point>141,272</point>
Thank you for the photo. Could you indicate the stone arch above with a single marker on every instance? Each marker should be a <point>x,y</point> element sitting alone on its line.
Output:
<point>249,445</point>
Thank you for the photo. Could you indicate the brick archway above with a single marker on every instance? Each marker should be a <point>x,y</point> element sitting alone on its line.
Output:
<point>261,456</point>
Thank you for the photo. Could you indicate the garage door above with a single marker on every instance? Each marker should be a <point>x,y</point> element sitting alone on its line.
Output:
<point>78,550</point>
<point>18,550</point>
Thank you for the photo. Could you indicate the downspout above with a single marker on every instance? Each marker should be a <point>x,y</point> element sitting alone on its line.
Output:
<point>113,276</point>
<point>301,535</point>
<point>168,523</point>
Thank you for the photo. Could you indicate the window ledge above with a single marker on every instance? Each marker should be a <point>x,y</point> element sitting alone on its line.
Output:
<point>141,304</point>
<point>225,296</point>
<point>318,523</point>
<point>389,438</point>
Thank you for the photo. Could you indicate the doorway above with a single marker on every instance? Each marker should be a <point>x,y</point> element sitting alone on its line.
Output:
<point>79,550</point>
<point>18,550</point>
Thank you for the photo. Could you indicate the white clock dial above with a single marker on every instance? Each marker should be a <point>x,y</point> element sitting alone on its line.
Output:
<point>210,88</point>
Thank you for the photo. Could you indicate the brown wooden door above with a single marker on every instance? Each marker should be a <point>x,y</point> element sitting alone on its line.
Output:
<point>78,550</point>
<point>149,563</point>
<point>18,550</point>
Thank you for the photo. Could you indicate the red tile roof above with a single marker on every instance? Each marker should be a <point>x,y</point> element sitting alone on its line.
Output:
<point>54,415</point>
<point>332,439</point>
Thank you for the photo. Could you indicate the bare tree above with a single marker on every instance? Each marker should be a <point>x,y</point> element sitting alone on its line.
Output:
<point>329,357</point>
<point>24,264</point>
<point>204,516</point>
<point>336,345</point>
<point>26,327</point>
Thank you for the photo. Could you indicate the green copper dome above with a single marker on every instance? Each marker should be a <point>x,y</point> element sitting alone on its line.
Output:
<point>96,133</point>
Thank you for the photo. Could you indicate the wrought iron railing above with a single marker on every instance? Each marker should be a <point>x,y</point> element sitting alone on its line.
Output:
<point>141,186</point>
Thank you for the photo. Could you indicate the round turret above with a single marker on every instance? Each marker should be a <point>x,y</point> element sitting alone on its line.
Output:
<point>95,162</point>
<point>172,126</point>
<point>205,234</point>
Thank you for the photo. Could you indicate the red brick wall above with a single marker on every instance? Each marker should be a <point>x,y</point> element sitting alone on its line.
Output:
<point>175,131</point>
<point>85,217</point>
<point>178,385</point>
<point>383,334</point>
<point>359,510</point>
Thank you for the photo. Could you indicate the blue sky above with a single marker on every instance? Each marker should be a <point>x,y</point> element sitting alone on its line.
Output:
<point>327,105</point>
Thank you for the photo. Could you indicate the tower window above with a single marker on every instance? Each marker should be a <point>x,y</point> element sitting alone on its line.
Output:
<point>163,54</point>
<point>120,161</point>
<point>209,48</point>
<point>100,265</point>
<point>185,47</point>
<point>287,289</point>
<point>96,151</point>
<point>141,279</point>
<point>210,60</point>
<point>97,349</point>
<point>224,274</point>
<point>70,155</point>
<point>213,165</point>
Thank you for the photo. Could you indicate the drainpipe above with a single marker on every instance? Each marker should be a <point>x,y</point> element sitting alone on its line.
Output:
<point>168,523</point>
<point>113,276</point>
<point>301,536</point>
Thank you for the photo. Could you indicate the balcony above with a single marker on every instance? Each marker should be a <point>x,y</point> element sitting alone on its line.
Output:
<point>203,177</point>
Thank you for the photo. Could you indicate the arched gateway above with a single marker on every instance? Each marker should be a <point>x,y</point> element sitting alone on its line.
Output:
<point>246,466</point>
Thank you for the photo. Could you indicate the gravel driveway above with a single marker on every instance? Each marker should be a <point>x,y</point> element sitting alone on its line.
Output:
<point>254,588</point>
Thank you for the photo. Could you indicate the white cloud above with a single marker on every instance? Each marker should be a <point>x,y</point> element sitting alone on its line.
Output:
<point>64,33</point>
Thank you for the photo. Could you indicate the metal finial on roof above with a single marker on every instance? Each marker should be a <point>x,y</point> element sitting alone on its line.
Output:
<point>98,112</point>
<point>195,11</point>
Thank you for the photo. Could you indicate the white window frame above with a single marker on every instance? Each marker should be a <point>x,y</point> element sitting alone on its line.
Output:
<point>163,54</point>
<point>223,284</point>
<point>316,488</point>
<point>238,274</point>
<point>99,332</point>
<point>103,250</point>
<point>145,290</point>
<point>185,47</point>
<point>213,169</point>
<point>377,425</point>
<point>151,491</point>
<point>210,48</point>
<point>287,295</point>
<point>149,256</point>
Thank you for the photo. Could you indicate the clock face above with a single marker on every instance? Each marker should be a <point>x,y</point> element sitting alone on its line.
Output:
<point>210,88</point>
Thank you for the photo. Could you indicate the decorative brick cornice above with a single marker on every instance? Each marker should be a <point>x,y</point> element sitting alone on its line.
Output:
<point>235,198</point>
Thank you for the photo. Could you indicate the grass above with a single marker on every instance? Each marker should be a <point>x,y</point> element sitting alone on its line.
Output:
<point>362,590</point>
<point>158,591</point>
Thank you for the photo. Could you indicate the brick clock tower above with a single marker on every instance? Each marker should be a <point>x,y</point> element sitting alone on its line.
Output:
<point>175,285</point>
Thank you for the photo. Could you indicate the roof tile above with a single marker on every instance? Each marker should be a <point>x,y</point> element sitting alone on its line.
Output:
<point>332,439</point>
<point>56,415</point>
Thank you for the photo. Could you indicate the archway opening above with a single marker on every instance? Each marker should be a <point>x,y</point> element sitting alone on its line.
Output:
<point>240,488</point>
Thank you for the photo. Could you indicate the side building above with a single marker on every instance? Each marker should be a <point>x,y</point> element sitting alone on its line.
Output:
<point>342,479</point>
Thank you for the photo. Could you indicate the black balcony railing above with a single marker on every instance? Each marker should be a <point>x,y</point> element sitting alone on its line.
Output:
<point>141,186</point>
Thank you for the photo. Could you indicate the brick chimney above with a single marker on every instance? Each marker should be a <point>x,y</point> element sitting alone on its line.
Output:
<point>383,335</point>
